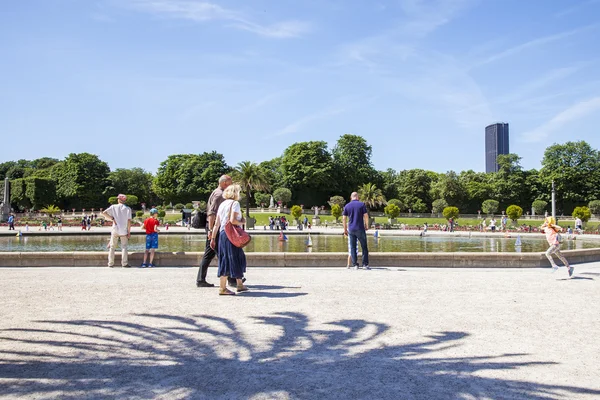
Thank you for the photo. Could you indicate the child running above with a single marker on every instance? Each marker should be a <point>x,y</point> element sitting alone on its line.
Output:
<point>551,230</point>
<point>151,226</point>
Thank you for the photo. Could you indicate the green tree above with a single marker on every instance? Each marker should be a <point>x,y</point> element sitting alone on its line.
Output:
<point>337,200</point>
<point>273,173</point>
<point>187,177</point>
<point>583,213</point>
<point>478,186</point>
<point>307,171</point>
<point>438,205</point>
<point>514,212</point>
<point>389,183</point>
<point>262,199</point>
<point>352,162</point>
<point>392,211</point>
<point>449,187</point>
<point>132,200</point>
<point>451,212</point>
<point>135,181</point>
<point>284,195</point>
<point>509,182</point>
<point>539,207</point>
<point>336,212</point>
<point>398,203</point>
<point>250,177</point>
<point>179,206</point>
<point>414,185</point>
<point>50,210</point>
<point>81,180</point>
<point>490,206</point>
<point>594,207</point>
<point>418,206</point>
<point>575,169</point>
<point>371,196</point>
<point>296,212</point>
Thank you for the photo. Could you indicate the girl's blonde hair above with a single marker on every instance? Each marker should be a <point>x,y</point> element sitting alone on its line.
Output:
<point>550,221</point>
<point>232,192</point>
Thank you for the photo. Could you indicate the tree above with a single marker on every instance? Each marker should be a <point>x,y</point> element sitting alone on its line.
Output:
<point>582,213</point>
<point>490,206</point>
<point>392,211</point>
<point>438,205</point>
<point>81,180</point>
<point>282,195</point>
<point>449,187</point>
<point>337,200</point>
<point>371,196</point>
<point>135,181</point>
<point>478,186</point>
<point>132,200</point>
<point>514,212</point>
<point>575,169</point>
<point>352,161</point>
<point>250,177</point>
<point>398,203</point>
<point>508,182</point>
<point>414,185</point>
<point>418,206</point>
<point>539,206</point>
<point>451,212</point>
<point>50,210</point>
<point>307,171</point>
<point>188,177</point>
<point>296,212</point>
<point>273,172</point>
<point>389,184</point>
<point>594,207</point>
<point>261,199</point>
<point>336,212</point>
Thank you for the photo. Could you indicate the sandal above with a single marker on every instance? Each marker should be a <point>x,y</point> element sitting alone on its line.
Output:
<point>242,288</point>
<point>225,292</point>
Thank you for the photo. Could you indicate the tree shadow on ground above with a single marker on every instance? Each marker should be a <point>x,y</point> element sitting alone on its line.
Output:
<point>165,356</point>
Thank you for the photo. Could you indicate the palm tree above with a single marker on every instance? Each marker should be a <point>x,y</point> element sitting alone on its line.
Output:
<point>250,177</point>
<point>51,209</point>
<point>371,195</point>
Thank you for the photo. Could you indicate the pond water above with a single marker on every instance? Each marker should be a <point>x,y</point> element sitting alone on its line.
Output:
<point>295,243</point>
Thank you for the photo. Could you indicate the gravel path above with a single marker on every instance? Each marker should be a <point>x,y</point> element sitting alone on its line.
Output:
<point>300,334</point>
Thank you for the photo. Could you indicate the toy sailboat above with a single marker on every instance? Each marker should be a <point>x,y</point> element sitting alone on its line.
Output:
<point>309,241</point>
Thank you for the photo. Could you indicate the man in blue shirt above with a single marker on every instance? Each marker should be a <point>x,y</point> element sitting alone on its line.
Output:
<point>356,224</point>
<point>11,222</point>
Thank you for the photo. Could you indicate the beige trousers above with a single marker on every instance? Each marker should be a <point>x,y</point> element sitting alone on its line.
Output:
<point>114,239</point>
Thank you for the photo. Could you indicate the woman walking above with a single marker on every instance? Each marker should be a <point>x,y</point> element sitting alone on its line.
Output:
<point>551,230</point>
<point>232,260</point>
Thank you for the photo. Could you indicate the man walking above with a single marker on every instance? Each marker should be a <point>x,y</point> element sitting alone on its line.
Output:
<point>120,215</point>
<point>11,222</point>
<point>215,199</point>
<point>356,223</point>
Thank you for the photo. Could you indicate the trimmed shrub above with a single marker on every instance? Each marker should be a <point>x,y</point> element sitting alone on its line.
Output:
<point>490,206</point>
<point>594,207</point>
<point>514,212</point>
<point>582,212</point>
<point>336,212</point>
<point>296,212</point>
<point>451,212</point>
<point>539,206</point>
<point>438,205</point>
<point>392,211</point>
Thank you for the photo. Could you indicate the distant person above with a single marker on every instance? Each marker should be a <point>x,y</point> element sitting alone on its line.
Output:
<point>120,215</point>
<point>493,224</point>
<point>451,224</point>
<point>214,201</point>
<point>552,230</point>
<point>578,225</point>
<point>59,223</point>
<point>356,223</point>
<point>11,222</point>
<point>83,223</point>
<point>151,226</point>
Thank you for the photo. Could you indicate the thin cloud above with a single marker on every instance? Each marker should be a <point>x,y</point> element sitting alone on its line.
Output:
<point>206,11</point>
<point>300,123</point>
<point>533,43</point>
<point>573,113</point>
<point>576,8</point>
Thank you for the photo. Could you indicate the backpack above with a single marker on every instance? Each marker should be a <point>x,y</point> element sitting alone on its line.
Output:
<point>199,220</point>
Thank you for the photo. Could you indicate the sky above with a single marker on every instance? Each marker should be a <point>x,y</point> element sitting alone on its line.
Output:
<point>135,81</point>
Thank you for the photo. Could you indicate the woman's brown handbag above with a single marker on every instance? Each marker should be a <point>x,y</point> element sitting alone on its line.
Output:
<point>236,235</point>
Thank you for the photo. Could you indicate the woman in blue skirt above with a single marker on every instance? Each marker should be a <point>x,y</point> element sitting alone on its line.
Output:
<point>232,260</point>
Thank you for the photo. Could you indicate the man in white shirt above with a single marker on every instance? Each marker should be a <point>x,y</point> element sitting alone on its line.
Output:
<point>120,215</point>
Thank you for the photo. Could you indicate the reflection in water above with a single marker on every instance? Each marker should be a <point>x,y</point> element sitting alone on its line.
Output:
<point>296,243</point>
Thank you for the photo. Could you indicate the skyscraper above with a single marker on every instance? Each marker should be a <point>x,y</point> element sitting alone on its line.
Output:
<point>496,142</point>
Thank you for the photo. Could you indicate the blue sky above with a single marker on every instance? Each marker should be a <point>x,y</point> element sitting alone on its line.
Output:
<point>137,80</point>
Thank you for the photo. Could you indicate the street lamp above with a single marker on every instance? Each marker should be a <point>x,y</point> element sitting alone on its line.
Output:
<point>553,202</point>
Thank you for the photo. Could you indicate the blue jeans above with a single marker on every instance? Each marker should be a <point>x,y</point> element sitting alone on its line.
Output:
<point>361,236</point>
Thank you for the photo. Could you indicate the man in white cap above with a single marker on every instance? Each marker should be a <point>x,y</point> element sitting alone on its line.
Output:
<point>120,215</point>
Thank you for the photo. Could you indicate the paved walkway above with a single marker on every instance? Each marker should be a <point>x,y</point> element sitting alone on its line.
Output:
<point>300,334</point>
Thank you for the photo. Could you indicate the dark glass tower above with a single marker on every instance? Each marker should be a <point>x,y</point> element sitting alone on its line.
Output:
<point>496,142</point>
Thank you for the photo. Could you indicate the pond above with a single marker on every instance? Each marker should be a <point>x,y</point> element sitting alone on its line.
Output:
<point>295,243</point>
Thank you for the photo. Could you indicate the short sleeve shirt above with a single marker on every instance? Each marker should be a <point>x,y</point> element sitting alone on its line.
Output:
<point>121,214</point>
<point>150,223</point>
<point>355,210</point>
<point>214,201</point>
<point>223,212</point>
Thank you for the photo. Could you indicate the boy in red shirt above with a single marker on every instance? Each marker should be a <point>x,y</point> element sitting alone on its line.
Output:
<point>151,227</point>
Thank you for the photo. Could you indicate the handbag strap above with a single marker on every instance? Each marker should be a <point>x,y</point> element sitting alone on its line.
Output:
<point>229,215</point>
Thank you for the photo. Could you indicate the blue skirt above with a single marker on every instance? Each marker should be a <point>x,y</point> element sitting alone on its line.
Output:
<point>232,260</point>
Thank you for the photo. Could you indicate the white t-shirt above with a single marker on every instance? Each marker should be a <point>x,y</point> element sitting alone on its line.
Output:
<point>121,214</point>
<point>223,211</point>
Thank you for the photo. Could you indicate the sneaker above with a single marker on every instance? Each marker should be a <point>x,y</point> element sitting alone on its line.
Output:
<point>204,284</point>
<point>151,265</point>
<point>347,267</point>
<point>554,268</point>
<point>571,271</point>
<point>144,265</point>
<point>367,267</point>
<point>356,267</point>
